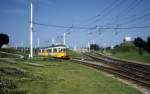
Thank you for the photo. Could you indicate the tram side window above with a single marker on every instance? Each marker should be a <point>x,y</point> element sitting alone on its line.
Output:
<point>40,51</point>
<point>49,50</point>
<point>55,49</point>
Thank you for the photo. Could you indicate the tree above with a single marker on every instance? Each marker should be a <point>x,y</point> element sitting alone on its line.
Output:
<point>4,39</point>
<point>148,45</point>
<point>116,46</point>
<point>139,42</point>
<point>94,47</point>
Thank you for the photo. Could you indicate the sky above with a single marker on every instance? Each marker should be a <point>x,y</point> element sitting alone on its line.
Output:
<point>15,21</point>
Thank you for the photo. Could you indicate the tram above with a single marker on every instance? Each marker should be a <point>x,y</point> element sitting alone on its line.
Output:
<point>56,51</point>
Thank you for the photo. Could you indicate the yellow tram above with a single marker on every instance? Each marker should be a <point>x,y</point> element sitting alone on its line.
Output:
<point>57,51</point>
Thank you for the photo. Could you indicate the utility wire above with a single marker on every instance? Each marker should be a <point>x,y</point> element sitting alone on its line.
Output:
<point>135,19</point>
<point>108,12</point>
<point>103,11</point>
<point>131,19</point>
<point>124,12</point>
<point>133,5</point>
<point>90,28</point>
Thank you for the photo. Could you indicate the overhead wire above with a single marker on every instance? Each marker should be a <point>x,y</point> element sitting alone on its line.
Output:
<point>133,5</point>
<point>107,12</point>
<point>138,2</point>
<point>103,11</point>
<point>135,19</point>
<point>119,3</point>
<point>90,28</point>
<point>102,27</point>
<point>123,12</point>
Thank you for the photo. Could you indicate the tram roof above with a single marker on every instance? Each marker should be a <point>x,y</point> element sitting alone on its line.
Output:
<point>60,45</point>
<point>53,46</point>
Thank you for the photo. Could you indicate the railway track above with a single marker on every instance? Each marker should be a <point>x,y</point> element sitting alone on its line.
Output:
<point>143,69</point>
<point>130,63</point>
<point>137,73</point>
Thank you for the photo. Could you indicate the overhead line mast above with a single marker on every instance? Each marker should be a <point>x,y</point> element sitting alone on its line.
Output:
<point>31,31</point>
<point>64,38</point>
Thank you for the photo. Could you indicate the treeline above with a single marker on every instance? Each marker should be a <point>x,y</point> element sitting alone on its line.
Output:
<point>141,44</point>
<point>144,44</point>
<point>137,42</point>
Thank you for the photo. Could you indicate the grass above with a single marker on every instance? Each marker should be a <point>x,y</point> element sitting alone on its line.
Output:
<point>9,53</point>
<point>6,55</point>
<point>145,58</point>
<point>72,53</point>
<point>57,77</point>
<point>129,52</point>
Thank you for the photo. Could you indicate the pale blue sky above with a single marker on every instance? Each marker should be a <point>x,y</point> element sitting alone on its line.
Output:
<point>14,20</point>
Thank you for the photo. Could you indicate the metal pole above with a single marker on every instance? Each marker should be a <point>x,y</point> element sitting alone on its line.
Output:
<point>93,41</point>
<point>31,31</point>
<point>53,41</point>
<point>89,46</point>
<point>22,46</point>
<point>16,47</point>
<point>38,42</point>
<point>64,38</point>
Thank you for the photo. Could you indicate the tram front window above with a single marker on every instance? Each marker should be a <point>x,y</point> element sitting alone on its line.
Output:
<point>60,50</point>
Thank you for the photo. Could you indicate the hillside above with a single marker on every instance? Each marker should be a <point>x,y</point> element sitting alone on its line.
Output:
<point>130,52</point>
